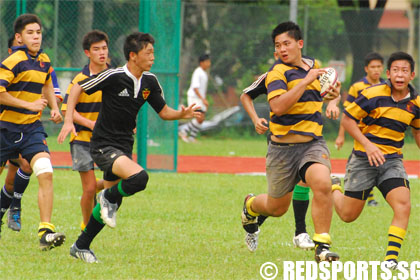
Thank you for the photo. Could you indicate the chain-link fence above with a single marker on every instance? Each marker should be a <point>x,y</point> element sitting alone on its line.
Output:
<point>237,35</point>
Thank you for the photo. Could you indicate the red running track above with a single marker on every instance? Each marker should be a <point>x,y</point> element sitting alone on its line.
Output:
<point>232,165</point>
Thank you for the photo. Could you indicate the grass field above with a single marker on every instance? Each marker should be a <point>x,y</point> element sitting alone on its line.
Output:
<point>187,226</point>
<point>184,226</point>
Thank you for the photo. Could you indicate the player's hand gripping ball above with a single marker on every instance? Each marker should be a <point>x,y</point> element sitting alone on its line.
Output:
<point>327,80</point>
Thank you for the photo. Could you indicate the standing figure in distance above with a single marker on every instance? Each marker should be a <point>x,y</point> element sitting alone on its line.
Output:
<point>197,95</point>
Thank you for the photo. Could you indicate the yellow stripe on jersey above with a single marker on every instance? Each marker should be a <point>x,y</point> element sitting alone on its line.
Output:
<point>382,120</point>
<point>354,91</point>
<point>87,106</point>
<point>309,107</point>
<point>12,60</point>
<point>303,128</point>
<point>33,76</point>
<point>17,118</point>
<point>390,112</point>
<point>25,95</point>
<point>304,117</point>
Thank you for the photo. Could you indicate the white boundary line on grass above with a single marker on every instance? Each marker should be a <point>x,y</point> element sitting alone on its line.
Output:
<point>339,175</point>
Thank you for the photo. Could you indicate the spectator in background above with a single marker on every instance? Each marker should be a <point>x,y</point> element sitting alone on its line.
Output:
<point>197,94</point>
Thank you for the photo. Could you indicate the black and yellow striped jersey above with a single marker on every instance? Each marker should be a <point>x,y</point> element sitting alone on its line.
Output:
<point>23,77</point>
<point>383,120</point>
<point>356,88</point>
<point>87,106</point>
<point>304,117</point>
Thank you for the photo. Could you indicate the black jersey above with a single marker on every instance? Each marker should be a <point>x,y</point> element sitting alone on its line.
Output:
<point>257,88</point>
<point>122,97</point>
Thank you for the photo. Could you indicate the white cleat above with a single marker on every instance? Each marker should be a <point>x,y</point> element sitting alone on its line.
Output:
<point>108,210</point>
<point>251,240</point>
<point>83,254</point>
<point>303,241</point>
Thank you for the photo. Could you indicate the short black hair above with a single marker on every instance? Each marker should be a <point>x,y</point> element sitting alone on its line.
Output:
<point>135,42</point>
<point>401,56</point>
<point>203,57</point>
<point>24,20</point>
<point>292,29</point>
<point>10,42</point>
<point>93,37</point>
<point>373,56</point>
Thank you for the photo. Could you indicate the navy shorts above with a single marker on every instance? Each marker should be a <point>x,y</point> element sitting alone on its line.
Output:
<point>27,144</point>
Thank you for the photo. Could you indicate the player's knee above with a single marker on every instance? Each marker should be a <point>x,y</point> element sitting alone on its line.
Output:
<point>276,211</point>
<point>135,183</point>
<point>41,166</point>
<point>403,208</point>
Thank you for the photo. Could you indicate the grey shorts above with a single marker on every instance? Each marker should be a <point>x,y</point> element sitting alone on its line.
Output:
<point>283,163</point>
<point>105,157</point>
<point>80,155</point>
<point>360,176</point>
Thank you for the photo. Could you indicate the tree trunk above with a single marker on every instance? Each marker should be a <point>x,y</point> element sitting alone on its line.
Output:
<point>84,25</point>
<point>361,25</point>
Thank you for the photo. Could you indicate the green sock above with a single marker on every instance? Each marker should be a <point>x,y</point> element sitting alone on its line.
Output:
<point>96,213</point>
<point>301,193</point>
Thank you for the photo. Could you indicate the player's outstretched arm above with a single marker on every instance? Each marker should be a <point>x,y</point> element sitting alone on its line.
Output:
<point>68,125</point>
<point>167,113</point>
<point>374,154</point>
<point>260,124</point>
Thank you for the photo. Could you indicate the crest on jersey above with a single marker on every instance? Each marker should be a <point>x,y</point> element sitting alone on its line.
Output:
<point>145,93</point>
<point>410,107</point>
<point>42,64</point>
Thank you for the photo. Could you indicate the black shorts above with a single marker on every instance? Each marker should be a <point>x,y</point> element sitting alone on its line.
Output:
<point>105,157</point>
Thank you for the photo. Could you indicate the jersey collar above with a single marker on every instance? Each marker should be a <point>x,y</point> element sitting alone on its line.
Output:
<point>137,83</point>
<point>25,49</point>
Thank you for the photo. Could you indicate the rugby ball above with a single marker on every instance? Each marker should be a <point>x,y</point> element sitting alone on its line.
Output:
<point>327,80</point>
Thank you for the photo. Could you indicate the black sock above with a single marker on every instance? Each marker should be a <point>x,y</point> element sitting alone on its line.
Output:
<point>19,185</point>
<point>113,195</point>
<point>92,229</point>
<point>261,219</point>
<point>5,200</point>
<point>300,207</point>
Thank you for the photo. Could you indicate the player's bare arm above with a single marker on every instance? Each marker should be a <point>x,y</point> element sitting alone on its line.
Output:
<point>79,119</point>
<point>281,104</point>
<point>374,154</point>
<point>416,135</point>
<point>48,93</point>
<point>167,113</point>
<point>260,124</point>
<point>332,111</point>
<point>68,125</point>
<point>339,141</point>
<point>9,100</point>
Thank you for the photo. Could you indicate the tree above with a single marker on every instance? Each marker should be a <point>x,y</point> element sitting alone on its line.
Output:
<point>361,23</point>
